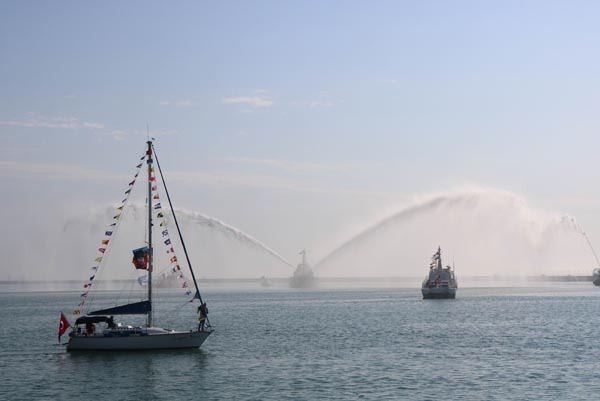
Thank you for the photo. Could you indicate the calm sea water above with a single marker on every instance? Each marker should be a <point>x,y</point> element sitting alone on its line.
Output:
<point>490,343</point>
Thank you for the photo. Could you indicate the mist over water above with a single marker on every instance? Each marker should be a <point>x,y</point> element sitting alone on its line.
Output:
<point>485,232</point>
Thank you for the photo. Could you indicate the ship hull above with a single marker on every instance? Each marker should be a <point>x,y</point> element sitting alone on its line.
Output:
<point>302,282</point>
<point>171,340</point>
<point>438,293</point>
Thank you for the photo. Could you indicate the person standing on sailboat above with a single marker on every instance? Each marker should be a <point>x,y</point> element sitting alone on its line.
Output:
<point>202,316</point>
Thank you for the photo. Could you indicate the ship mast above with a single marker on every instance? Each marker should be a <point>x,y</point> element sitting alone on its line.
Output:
<point>150,251</point>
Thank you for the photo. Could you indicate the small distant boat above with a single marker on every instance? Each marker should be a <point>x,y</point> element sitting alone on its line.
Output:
<point>596,277</point>
<point>303,275</point>
<point>440,283</point>
<point>265,282</point>
<point>97,330</point>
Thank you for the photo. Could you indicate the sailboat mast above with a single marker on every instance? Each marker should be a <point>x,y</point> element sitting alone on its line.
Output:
<point>150,250</point>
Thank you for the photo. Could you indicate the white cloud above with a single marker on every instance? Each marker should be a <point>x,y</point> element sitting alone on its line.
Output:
<point>39,121</point>
<point>178,103</point>
<point>254,101</point>
<point>121,135</point>
<point>291,166</point>
<point>60,171</point>
<point>72,123</point>
<point>391,81</point>
<point>320,104</point>
<point>72,172</point>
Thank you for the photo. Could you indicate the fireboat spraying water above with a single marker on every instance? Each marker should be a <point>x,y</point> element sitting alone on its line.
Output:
<point>303,275</point>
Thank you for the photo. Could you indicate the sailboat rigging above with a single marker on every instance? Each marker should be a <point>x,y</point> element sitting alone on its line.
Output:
<point>116,336</point>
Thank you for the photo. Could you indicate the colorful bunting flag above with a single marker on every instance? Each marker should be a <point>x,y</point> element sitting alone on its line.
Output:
<point>163,223</point>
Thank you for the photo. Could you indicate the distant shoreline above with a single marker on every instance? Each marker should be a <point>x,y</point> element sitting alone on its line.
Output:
<point>543,277</point>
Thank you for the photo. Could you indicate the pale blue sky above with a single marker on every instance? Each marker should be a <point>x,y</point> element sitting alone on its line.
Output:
<point>272,114</point>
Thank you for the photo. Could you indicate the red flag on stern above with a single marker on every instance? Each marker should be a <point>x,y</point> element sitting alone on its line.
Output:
<point>63,325</point>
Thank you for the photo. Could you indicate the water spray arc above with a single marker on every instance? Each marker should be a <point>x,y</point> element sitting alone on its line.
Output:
<point>232,232</point>
<point>580,229</point>
<point>530,219</point>
<point>404,214</point>
<point>136,212</point>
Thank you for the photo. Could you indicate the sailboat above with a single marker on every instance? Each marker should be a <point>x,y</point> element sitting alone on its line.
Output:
<point>97,329</point>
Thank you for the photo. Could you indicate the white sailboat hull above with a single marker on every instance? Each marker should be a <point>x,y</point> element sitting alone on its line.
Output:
<point>170,340</point>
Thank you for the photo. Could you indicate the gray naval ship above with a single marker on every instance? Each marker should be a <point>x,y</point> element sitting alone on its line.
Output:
<point>440,283</point>
<point>303,275</point>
